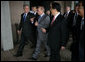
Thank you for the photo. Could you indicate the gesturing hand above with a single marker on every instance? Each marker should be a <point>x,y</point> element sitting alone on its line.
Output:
<point>32,19</point>
<point>62,48</point>
<point>43,30</point>
<point>36,23</point>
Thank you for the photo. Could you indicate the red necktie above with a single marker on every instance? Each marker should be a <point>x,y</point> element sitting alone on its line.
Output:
<point>53,20</point>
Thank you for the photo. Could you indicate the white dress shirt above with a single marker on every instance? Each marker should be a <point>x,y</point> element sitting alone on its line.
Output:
<point>57,15</point>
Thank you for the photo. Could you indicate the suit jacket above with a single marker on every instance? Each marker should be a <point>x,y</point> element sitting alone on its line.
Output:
<point>43,23</point>
<point>80,34</point>
<point>69,19</point>
<point>57,33</point>
<point>76,30</point>
<point>25,26</point>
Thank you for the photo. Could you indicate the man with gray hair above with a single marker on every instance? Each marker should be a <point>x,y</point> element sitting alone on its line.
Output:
<point>42,24</point>
<point>25,26</point>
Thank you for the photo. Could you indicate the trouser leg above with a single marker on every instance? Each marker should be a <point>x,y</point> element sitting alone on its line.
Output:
<point>81,53</point>
<point>37,50</point>
<point>47,48</point>
<point>22,44</point>
<point>55,55</point>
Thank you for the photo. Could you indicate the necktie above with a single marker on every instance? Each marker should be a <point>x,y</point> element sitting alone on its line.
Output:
<point>66,15</point>
<point>39,18</point>
<point>53,20</point>
<point>75,18</point>
<point>82,23</point>
<point>24,17</point>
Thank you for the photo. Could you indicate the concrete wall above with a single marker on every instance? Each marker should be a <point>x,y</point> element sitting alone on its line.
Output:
<point>16,9</point>
<point>6,30</point>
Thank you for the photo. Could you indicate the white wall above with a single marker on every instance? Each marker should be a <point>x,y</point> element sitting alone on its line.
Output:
<point>6,30</point>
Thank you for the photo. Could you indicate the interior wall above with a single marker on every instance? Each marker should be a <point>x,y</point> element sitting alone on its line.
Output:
<point>16,9</point>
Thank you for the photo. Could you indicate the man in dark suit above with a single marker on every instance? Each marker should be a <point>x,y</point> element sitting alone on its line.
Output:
<point>73,20</point>
<point>57,33</point>
<point>25,26</point>
<point>67,15</point>
<point>34,34</point>
<point>81,32</point>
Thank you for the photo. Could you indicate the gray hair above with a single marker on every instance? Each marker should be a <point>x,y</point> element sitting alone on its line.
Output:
<point>25,5</point>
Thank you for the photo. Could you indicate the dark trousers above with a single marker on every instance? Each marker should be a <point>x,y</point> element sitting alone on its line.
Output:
<point>75,52</point>
<point>55,54</point>
<point>24,39</point>
<point>74,33</point>
<point>33,38</point>
<point>74,46</point>
<point>81,53</point>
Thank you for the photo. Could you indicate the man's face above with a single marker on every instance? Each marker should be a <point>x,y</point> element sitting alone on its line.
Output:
<point>52,10</point>
<point>34,9</point>
<point>48,12</point>
<point>26,9</point>
<point>39,11</point>
<point>81,10</point>
<point>76,8</point>
<point>67,9</point>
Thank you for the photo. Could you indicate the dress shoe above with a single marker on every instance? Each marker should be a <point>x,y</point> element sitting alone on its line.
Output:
<point>46,55</point>
<point>18,55</point>
<point>33,58</point>
<point>32,46</point>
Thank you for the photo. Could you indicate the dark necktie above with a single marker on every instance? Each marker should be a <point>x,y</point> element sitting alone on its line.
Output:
<point>66,15</point>
<point>39,18</point>
<point>24,17</point>
<point>82,23</point>
<point>75,18</point>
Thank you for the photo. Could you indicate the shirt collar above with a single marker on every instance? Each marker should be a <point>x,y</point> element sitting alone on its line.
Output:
<point>57,15</point>
<point>26,13</point>
<point>42,14</point>
<point>76,13</point>
<point>68,11</point>
<point>33,12</point>
<point>83,18</point>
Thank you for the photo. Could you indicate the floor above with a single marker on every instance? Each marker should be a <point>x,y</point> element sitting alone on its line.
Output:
<point>27,53</point>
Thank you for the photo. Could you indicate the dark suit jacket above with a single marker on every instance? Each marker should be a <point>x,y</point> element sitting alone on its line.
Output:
<point>25,26</point>
<point>80,33</point>
<point>57,33</point>
<point>69,19</point>
<point>75,30</point>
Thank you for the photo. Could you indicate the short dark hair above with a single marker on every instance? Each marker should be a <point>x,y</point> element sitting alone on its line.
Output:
<point>82,3</point>
<point>76,5</point>
<point>42,7</point>
<point>56,6</point>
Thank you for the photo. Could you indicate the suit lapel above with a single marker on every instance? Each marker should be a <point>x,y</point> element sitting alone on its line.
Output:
<point>56,21</point>
<point>42,18</point>
<point>28,15</point>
